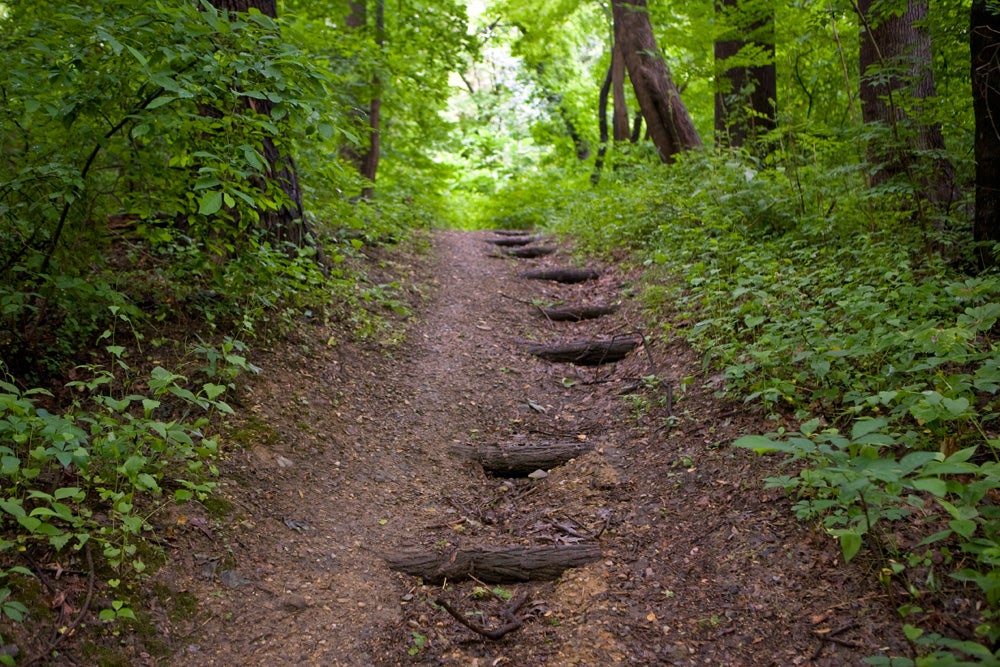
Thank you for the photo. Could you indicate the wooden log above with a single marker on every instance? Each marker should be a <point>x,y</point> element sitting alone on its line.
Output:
<point>512,241</point>
<point>517,459</point>
<point>577,313</point>
<point>586,352</point>
<point>562,275</point>
<point>496,565</point>
<point>511,232</point>
<point>530,251</point>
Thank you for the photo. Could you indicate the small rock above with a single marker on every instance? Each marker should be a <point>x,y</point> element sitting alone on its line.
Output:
<point>294,603</point>
<point>539,474</point>
<point>283,462</point>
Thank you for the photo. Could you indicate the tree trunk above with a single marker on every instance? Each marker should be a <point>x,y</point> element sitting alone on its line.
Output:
<point>369,161</point>
<point>602,124</point>
<point>517,459</point>
<point>286,224</point>
<point>985,45</point>
<point>895,62</point>
<point>494,566</point>
<point>667,118</point>
<point>745,95</point>
<point>620,129</point>
<point>586,352</point>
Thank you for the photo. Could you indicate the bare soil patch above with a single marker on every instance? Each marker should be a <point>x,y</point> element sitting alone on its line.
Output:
<point>350,453</point>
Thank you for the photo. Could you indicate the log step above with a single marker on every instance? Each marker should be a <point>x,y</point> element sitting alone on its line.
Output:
<point>529,251</point>
<point>511,232</point>
<point>511,241</point>
<point>577,313</point>
<point>517,459</point>
<point>567,275</point>
<point>586,352</point>
<point>497,565</point>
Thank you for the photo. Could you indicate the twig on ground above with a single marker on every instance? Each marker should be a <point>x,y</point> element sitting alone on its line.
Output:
<point>510,614</point>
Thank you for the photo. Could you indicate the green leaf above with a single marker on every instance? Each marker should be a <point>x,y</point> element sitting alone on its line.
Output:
<point>850,543</point>
<point>865,426</point>
<point>210,203</point>
<point>964,527</point>
<point>160,101</point>
<point>933,485</point>
<point>758,443</point>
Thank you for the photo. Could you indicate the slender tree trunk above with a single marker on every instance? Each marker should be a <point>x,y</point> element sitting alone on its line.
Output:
<point>667,118</point>
<point>985,47</point>
<point>895,62</point>
<point>619,122</point>
<point>602,123</point>
<point>370,158</point>
<point>745,96</point>
<point>286,224</point>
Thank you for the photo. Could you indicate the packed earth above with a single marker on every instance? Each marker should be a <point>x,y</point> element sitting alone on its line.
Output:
<point>355,458</point>
<point>521,475</point>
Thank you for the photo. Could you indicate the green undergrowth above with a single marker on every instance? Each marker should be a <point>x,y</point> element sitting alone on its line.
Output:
<point>854,320</point>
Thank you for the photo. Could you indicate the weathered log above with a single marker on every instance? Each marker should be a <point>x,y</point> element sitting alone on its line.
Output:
<point>515,459</point>
<point>530,251</point>
<point>586,352</point>
<point>562,275</point>
<point>511,232</point>
<point>577,313</point>
<point>513,240</point>
<point>497,565</point>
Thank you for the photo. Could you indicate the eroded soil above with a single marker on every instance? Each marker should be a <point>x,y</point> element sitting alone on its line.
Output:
<point>349,454</point>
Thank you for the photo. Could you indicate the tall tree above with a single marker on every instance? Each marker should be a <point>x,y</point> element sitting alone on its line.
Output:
<point>747,89</point>
<point>895,64</point>
<point>369,161</point>
<point>984,41</point>
<point>667,119</point>
<point>285,223</point>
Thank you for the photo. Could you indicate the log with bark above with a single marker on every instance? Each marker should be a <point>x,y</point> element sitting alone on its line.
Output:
<point>496,565</point>
<point>577,313</point>
<point>513,240</point>
<point>511,232</point>
<point>586,352</point>
<point>516,459</point>
<point>562,275</point>
<point>530,251</point>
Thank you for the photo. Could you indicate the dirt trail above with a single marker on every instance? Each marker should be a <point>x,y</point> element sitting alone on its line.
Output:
<point>347,456</point>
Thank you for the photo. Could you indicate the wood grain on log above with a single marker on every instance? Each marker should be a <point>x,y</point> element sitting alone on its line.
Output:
<point>562,275</point>
<point>512,241</point>
<point>511,232</point>
<point>586,352</point>
<point>530,251</point>
<point>577,313</point>
<point>513,459</point>
<point>497,565</point>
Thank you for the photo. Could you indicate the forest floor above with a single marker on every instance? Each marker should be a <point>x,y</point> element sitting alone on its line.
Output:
<point>348,453</point>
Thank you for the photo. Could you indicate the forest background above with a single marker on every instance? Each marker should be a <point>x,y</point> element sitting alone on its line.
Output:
<point>809,188</point>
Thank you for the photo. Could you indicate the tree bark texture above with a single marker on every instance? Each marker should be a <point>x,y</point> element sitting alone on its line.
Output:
<point>895,65</point>
<point>745,97</point>
<point>516,459</point>
<point>503,565</point>
<point>370,158</point>
<point>667,119</point>
<point>602,126</point>
<point>528,252</point>
<point>620,119</point>
<point>577,313</point>
<point>567,275</point>
<point>286,224</point>
<point>512,241</point>
<point>586,352</point>
<point>985,46</point>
